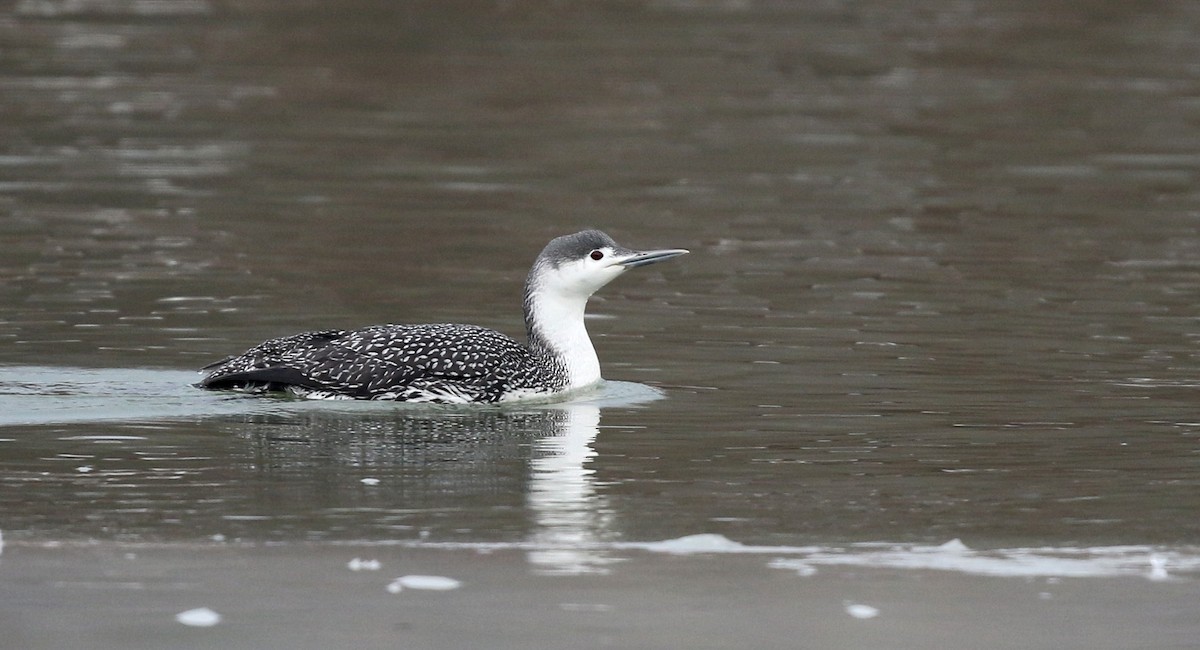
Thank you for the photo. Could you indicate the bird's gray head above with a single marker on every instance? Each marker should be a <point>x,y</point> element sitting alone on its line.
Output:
<point>567,272</point>
<point>579,264</point>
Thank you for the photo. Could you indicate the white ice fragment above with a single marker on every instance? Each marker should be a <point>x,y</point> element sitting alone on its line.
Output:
<point>702,543</point>
<point>430,583</point>
<point>199,617</point>
<point>1051,563</point>
<point>858,610</point>
<point>218,538</point>
<point>955,544</point>
<point>802,568</point>
<point>359,564</point>
<point>370,481</point>
<point>84,469</point>
<point>1158,568</point>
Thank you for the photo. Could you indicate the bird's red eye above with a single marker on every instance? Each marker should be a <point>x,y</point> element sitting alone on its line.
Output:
<point>597,255</point>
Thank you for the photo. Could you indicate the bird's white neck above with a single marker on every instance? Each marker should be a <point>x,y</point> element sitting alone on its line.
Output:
<point>555,325</point>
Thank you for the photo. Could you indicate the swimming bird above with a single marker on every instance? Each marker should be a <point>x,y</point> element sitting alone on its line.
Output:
<point>452,363</point>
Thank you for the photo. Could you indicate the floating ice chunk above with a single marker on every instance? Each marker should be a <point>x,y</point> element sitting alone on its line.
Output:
<point>954,545</point>
<point>1051,563</point>
<point>858,610</point>
<point>370,481</point>
<point>1158,568</point>
<point>359,564</point>
<point>709,543</point>
<point>802,568</point>
<point>702,543</point>
<point>430,583</point>
<point>199,617</point>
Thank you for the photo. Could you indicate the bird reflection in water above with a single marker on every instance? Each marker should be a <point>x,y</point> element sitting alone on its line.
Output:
<point>571,519</point>
<point>520,478</point>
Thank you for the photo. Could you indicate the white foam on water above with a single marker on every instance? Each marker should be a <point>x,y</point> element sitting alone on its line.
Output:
<point>954,556</point>
<point>199,617</point>
<point>104,438</point>
<point>955,544</point>
<point>428,583</point>
<point>1158,568</point>
<point>359,564</point>
<point>691,544</point>
<point>859,610</point>
<point>1051,562</point>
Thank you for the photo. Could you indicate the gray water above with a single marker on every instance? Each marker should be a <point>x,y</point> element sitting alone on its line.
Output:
<point>945,261</point>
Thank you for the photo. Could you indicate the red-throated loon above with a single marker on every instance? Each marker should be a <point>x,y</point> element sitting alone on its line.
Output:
<point>451,363</point>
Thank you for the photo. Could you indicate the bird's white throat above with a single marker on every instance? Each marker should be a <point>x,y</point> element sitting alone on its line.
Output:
<point>557,323</point>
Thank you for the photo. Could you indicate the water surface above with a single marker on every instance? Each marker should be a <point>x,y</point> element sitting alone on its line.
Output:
<point>945,261</point>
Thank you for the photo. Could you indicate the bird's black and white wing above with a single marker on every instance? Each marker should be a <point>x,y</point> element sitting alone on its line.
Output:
<point>425,363</point>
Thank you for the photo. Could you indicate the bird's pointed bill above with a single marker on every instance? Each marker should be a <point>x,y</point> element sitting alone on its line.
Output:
<point>641,258</point>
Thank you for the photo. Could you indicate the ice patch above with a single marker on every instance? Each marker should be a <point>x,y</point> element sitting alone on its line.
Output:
<point>858,610</point>
<point>1066,562</point>
<point>703,543</point>
<point>955,544</point>
<point>199,617</point>
<point>1150,562</point>
<point>802,568</point>
<point>359,564</point>
<point>370,481</point>
<point>429,583</point>
<point>1158,568</point>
